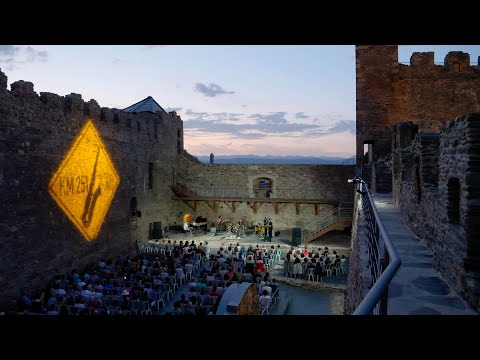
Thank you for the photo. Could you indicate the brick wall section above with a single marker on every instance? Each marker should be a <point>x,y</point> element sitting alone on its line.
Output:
<point>453,153</point>
<point>38,240</point>
<point>389,93</point>
<point>376,72</point>
<point>289,181</point>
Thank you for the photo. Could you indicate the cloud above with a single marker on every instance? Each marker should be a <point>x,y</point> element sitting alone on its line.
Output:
<point>278,132</point>
<point>117,61</point>
<point>337,127</point>
<point>13,56</point>
<point>211,90</point>
<point>237,126</point>
<point>192,113</point>
<point>301,115</point>
<point>275,119</point>
<point>344,126</point>
<point>244,126</point>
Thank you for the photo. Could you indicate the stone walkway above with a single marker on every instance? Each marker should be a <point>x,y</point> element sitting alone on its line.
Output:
<point>417,288</point>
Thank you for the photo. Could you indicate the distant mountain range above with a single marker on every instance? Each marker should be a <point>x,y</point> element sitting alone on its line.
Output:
<point>270,159</point>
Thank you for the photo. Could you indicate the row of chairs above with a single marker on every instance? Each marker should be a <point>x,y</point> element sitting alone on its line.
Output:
<point>309,273</point>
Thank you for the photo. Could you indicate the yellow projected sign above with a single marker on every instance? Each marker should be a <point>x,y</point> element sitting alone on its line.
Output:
<point>85,182</point>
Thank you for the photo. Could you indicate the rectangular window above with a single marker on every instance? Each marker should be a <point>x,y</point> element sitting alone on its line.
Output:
<point>150,175</point>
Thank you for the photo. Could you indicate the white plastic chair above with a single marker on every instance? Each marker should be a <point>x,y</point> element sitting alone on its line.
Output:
<point>188,272</point>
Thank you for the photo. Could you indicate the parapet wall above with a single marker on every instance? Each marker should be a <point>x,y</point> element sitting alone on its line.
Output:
<point>36,131</point>
<point>359,277</point>
<point>436,183</point>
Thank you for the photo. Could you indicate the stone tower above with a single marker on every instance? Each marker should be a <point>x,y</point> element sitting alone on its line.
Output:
<point>376,70</point>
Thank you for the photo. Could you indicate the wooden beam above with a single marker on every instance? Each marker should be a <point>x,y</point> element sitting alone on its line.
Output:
<point>213,205</point>
<point>297,208</point>
<point>258,200</point>
<point>275,207</point>
<point>233,207</point>
<point>193,205</point>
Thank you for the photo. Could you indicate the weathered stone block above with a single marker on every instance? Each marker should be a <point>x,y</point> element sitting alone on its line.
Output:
<point>22,88</point>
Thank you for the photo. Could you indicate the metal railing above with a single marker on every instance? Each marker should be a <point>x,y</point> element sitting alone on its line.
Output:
<point>382,268</point>
<point>340,213</point>
<point>266,310</point>
<point>325,221</point>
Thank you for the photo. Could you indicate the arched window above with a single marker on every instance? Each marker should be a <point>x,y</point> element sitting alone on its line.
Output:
<point>454,201</point>
<point>262,187</point>
<point>133,206</point>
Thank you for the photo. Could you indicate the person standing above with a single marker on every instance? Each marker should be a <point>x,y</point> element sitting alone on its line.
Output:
<point>270,229</point>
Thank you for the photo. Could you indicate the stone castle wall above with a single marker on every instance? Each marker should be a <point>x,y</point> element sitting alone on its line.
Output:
<point>389,93</point>
<point>38,239</point>
<point>424,175</point>
<point>328,182</point>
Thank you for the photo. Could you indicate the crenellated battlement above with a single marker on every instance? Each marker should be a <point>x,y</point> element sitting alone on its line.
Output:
<point>422,65</point>
<point>422,58</point>
<point>452,59</point>
<point>120,125</point>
